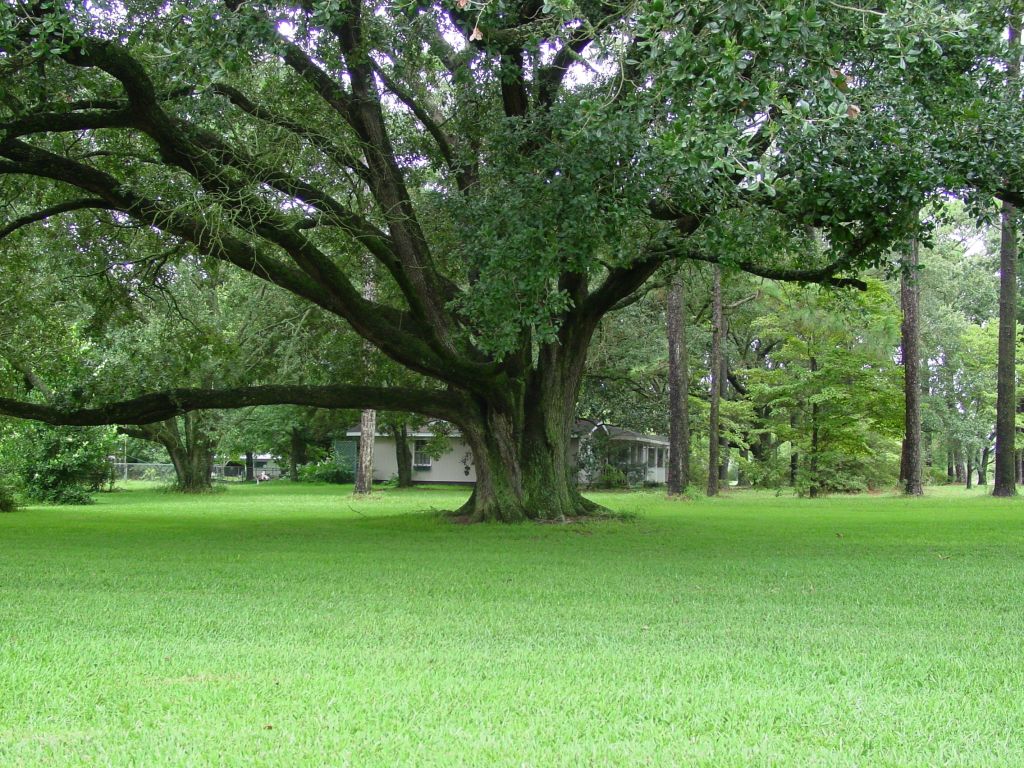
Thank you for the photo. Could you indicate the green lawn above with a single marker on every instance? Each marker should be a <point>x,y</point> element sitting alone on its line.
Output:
<point>290,626</point>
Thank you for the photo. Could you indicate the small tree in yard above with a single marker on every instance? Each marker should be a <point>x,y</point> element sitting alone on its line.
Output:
<point>516,170</point>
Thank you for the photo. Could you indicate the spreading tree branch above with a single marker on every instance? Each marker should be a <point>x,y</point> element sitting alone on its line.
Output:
<point>160,406</point>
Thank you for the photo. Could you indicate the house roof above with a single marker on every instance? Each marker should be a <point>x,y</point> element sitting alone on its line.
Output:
<point>587,427</point>
<point>581,428</point>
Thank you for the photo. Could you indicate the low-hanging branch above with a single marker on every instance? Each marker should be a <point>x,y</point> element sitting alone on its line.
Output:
<point>159,406</point>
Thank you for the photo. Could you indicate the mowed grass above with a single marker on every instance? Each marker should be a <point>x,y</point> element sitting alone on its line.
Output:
<point>293,626</point>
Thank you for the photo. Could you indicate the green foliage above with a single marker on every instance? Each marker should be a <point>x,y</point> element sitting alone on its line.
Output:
<point>7,500</point>
<point>57,465</point>
<point>326,471</point>
<point>833,388</point>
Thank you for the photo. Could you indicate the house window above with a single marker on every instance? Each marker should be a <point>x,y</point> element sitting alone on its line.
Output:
<point>661,458</point>
<point>420,458</point>
<point>651,458</point>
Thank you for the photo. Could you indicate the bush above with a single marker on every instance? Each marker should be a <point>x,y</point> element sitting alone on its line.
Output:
<point>610,477</point>
<point>7,501</point>
<point>57,465</point>
<point>327,471</point>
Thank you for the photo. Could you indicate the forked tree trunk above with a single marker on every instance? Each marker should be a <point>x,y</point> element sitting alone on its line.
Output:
<point>193,468</point>
<point>403,456</point>
<point>678,476</point>
<point>188,446</point>
<point>714,446</point>
<point>910,465</point>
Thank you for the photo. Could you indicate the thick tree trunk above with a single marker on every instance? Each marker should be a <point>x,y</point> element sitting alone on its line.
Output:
<point>403,456</point>
<point>950,467</point>
<point>250,467</point>
<point>910,466</point>
<point>364,464</point>
<point>1006,398</point>
<point>970,469</point>
<point>678,475</point>
<point>983,466</point>
<point>716,374</point>
<point>958,458</point>
<point>193,469</point>
<point>521,441</point>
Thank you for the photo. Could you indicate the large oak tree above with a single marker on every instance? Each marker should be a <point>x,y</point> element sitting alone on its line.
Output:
<point>517,169</point>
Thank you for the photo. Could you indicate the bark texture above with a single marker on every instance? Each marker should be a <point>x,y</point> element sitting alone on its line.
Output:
<point>368,417</point>
<point>910,466</point>
<point>678,475</point>
<point>403,455</point>
<point>364,464</point>
<point>1005,482</point>
<point>716,374</point>
<point>187,444</point>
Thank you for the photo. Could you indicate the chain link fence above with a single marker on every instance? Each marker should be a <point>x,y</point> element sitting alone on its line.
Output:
<point>164,473</point>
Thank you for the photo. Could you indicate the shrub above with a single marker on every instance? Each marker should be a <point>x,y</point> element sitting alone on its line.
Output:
<point>610,477</point>
<point>57,465</point>
<point>7,501</point>
<point>327,471</point>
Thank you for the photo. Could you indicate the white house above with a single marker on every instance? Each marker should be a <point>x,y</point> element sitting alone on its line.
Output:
<point>454,466</point>
<point>641,457</point>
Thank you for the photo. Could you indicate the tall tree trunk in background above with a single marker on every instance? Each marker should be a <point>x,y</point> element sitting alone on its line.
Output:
<point>1006,371</point>
<point>910,465</point>
<point>678,392</point>
<point>403,456</point>
<point>970,469</point>
<point>950,468</point>
<point>794,457</point>
<point>983,466</point>
<point>364,465</point>
<point>724,452</point>
<point>815,487</point>
<point>716,373</point>
<point>368,418</point>
<point>250,466</point>
<point>958,457</point>
<point>298,453</point>
<point>1006,397</point>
